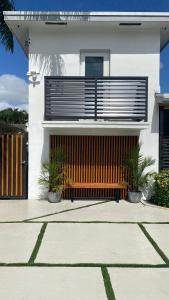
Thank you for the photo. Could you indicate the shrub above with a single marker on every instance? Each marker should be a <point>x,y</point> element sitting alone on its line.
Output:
<point>161,188</point>
<point>52,172</point>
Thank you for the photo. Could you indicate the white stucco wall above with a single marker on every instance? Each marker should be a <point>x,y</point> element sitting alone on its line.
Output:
<point>57,52</point>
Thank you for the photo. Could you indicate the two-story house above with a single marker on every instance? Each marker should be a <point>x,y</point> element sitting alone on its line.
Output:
<point>94,90</point>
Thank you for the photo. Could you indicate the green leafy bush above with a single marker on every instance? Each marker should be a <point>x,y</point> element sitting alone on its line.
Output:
<point>52,172</point>
<point>161,188</point>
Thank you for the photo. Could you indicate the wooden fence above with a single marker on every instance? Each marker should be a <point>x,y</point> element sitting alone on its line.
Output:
<point>13,168</point>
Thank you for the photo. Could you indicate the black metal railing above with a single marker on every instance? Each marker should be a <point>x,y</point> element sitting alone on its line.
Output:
<point>73,98</point>
<point>164,153</point>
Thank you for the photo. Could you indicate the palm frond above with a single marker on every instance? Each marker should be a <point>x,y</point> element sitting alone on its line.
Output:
<point>136,166</point>
<point>52,172</point>
<point>6,36</point>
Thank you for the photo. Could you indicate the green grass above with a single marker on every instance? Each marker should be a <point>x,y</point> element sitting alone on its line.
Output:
<point>84,265</point>
<point>154,244</point>
<point>82,222</point>
<point>38,244</point>
<point>107,284</point>
<point>33,256</point>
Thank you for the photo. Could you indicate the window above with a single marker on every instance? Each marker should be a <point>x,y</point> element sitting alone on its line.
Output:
<point>94,66</point>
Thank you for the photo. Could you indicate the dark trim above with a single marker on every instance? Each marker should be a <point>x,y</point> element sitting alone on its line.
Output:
<point>56,23</point>
<point>130,24</point>
<point>163,141</point>
<point>161,119</point>
<point>98,77</point>
<point>55,118</point>
<point>95,99</point>
<point>146,118</point>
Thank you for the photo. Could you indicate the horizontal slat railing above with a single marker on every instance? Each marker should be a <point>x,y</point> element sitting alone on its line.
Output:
<point>164,153</point>
<point>96,98</point>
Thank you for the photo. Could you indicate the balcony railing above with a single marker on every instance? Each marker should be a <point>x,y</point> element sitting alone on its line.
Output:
<point>73,98</point>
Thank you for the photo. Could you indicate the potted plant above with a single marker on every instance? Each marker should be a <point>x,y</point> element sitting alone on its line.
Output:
<point>136,166</point>
<point>52,176</point>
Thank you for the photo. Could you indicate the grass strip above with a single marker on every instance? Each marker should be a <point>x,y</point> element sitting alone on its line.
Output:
<point>85,265</point>
<point>10,222</point>
<point>67,210</point>
<point>37,245</point>
<point>107,284</point>
<point>154,244</point>
<point>84,222</point>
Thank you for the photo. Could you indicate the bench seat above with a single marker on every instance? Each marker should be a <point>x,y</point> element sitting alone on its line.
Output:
<point>93,185</point>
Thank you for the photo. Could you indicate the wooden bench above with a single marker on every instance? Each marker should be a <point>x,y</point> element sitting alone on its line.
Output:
<point>93,185</point>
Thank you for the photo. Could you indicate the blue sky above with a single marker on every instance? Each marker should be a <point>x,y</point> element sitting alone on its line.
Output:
<point>16,64</point>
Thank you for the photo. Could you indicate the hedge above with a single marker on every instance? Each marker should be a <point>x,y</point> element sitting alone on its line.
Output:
<point>161,188</point>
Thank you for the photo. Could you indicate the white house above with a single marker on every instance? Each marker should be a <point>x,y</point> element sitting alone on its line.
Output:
<point>94,89</point>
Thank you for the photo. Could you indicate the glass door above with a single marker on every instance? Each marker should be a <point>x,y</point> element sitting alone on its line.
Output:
<point>94,66</point>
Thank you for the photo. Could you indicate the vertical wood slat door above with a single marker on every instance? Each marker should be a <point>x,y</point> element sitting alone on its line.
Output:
<point>94,159</point>
<point>13,173</point>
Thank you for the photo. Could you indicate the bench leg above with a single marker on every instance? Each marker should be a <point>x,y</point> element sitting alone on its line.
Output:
<point>72,195</point>
<point>117,195</point>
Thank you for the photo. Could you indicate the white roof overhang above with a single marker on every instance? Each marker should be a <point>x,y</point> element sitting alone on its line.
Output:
<point>20,22</point>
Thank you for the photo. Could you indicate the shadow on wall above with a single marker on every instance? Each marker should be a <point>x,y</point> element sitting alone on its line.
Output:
<point>56,16</point>
<point>49,65</point>
<point>52,64</point>
<point>43,192</point>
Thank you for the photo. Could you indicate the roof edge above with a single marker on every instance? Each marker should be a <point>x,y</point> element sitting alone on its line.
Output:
<point>91,13</point>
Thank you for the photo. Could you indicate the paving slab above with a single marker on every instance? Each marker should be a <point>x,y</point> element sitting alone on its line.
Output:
<point>17,241</point>
<point>113,212</point>
<point>96,243</point>
<point>140,284</point>
<point>51,283</point>
<point>19,210</point>
<point>160,233</point>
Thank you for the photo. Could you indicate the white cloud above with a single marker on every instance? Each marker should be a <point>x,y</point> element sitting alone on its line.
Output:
<point>13,92</point>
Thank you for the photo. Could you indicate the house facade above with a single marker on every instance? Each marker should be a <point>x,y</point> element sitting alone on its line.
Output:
<point>94,89</point>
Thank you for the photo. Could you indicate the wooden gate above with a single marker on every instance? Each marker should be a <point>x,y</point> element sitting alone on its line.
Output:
<point>13,166</point>
<point>94,159</point>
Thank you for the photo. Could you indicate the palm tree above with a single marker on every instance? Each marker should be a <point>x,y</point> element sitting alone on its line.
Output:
<point>136,166</point>
<point>6,37</point>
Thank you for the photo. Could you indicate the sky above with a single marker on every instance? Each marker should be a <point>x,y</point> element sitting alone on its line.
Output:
<point>13,67</point>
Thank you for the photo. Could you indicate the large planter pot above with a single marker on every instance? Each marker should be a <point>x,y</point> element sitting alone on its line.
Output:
<point>54,197</point>
<point>134,197</point>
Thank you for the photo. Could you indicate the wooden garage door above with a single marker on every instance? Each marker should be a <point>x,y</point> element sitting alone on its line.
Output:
<point>94,159</point>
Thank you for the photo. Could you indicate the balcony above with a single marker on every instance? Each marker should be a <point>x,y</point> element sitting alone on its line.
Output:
<point>107,98</point>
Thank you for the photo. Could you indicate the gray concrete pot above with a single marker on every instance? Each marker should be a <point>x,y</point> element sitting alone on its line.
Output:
<point>134,197</point>
<point>54,197</point>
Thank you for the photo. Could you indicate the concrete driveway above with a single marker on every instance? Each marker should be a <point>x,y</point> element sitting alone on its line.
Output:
<point>87,250</point>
